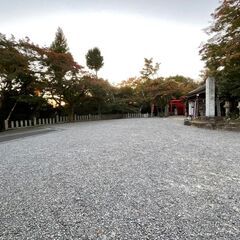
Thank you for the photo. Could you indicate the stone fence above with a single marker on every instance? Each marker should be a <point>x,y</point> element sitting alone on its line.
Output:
<point>64,119</point>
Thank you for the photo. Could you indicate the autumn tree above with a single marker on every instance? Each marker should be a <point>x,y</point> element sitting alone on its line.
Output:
<point>20,74</point>
<point>63,80</point>
<point>181,85</point>
<point>222,51</point>
<point>94,59</point>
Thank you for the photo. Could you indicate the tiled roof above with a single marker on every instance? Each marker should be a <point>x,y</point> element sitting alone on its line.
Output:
<point>198,90</point>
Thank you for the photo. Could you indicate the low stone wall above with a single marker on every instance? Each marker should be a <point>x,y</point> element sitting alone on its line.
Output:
<point>213,124</point>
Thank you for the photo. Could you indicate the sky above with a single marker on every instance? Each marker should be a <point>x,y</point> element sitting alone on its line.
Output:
<point>125,31</point>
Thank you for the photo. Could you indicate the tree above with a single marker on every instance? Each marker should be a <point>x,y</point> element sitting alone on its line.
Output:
<point>181,85</point>
<point>63,80</point>
<point>20,74</point>
<point>59,44</point>
<point>94,59</point>
<point>99,91</point>
<point>222,51</point>
<point>149,69</point>
<point>63,77</point>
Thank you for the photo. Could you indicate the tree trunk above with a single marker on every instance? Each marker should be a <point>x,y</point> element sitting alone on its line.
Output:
<point>218,106</point>
<point>71,114</point>
<point>166,110</point>
<point>10,113</point>
<point>99,109</point>
<point>152,109</point>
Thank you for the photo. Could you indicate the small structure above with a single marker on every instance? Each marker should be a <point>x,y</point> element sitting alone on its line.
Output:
<point>177,106</point>
<point>207,110</point>
<point>196,102</point>
<point>205,102</point>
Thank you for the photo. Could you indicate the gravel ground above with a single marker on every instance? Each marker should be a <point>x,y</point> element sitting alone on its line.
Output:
<point>121,179</point>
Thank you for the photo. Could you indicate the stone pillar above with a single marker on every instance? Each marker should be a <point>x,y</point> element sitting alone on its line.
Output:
<point>227,108</point>
<point>6,124</point>
<point>34,121</point>
<point>210,97</point>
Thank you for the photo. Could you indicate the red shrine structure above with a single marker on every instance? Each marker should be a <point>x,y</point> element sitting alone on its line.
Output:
<point>177,106</point>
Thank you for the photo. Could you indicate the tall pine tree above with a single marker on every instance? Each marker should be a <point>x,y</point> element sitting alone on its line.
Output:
<point>59,44</point>
<point>94,59</point>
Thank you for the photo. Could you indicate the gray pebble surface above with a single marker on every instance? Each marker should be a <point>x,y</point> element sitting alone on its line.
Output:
<point>121,179</point>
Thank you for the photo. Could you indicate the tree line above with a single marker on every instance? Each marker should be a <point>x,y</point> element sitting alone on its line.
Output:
<point>46,81</point>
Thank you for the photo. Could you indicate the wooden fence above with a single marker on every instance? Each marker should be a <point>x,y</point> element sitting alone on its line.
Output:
<point>64,119</point>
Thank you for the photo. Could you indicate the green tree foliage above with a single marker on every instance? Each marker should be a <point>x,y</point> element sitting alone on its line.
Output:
<point>59,44</point>
<point>222,51</point>
<point>99,91</point>
<point>94,59</point>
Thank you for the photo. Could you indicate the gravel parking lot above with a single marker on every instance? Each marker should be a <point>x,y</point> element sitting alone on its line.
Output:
<point>121,179</point>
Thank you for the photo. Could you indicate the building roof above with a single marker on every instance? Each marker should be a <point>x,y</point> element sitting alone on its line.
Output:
<point>196,91</point>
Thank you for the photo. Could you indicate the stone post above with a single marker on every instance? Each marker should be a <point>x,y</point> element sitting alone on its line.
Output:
<point>34,121</point>
<point>239,108</point>
<point>227,108</point>
<point>210,97</point>
<point>6,124</point>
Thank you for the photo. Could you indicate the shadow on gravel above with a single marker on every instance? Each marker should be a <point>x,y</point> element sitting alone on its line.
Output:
<point>12,136</point>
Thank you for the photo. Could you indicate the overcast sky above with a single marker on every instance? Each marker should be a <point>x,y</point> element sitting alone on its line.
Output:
<point>126,31</point>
